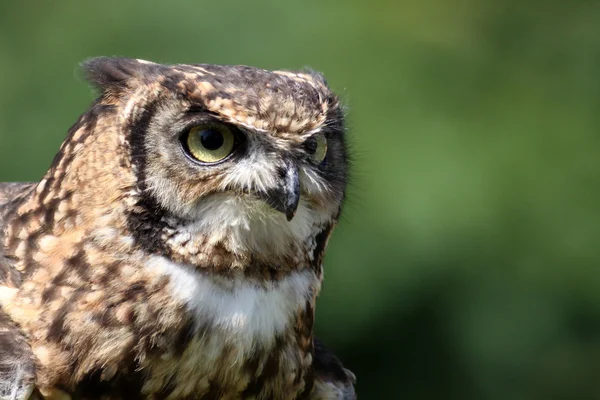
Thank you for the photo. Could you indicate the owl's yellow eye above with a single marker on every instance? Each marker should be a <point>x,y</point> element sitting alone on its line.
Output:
<point>209,143</point>
<point>316,146</point>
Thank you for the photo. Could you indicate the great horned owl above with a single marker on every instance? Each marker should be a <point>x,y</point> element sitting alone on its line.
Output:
<point>174,248</point>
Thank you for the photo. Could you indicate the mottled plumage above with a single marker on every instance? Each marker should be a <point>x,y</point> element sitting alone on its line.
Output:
<point>174,248</point>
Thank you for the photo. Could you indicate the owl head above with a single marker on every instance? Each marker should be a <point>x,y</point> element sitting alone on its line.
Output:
<point>229,150</point>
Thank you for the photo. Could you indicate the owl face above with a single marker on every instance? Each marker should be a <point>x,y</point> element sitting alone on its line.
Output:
<point>222,146</point>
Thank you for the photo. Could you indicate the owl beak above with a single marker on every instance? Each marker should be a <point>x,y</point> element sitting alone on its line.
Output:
<point>286,196</point>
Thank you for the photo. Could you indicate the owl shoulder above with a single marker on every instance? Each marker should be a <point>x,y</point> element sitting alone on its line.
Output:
<point>332,380</point>
<point>17,364</point>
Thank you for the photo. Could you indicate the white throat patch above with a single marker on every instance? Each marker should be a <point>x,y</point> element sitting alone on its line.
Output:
<point>246,313</point>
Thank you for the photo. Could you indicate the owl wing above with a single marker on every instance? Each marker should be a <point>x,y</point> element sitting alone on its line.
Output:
<point>10,194</point>
<point>17,363</point>
<point>333,381</point>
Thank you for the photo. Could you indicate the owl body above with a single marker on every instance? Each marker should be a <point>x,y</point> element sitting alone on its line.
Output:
<point>174,249</point>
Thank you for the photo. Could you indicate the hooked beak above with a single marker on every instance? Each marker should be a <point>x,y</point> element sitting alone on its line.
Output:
<point>286,196</point>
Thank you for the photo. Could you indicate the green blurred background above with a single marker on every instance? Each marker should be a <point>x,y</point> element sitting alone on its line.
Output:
<point>467,262</point>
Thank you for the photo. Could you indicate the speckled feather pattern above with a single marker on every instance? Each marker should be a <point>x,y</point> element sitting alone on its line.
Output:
<point>132,272</point>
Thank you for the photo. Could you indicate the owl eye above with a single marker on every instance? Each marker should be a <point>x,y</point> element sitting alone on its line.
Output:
<point>316,146</point>
<point>209,143</point>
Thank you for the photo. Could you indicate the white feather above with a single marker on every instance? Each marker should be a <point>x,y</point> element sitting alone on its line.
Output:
<point>245,312</point>
<point>247,224</point>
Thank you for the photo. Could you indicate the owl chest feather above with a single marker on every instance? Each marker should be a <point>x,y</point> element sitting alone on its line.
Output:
<point>174,330</point>
<point>107,310</point>
<point>242,340</point>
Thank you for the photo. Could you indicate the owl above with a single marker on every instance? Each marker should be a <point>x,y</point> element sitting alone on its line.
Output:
<point>174,248</point>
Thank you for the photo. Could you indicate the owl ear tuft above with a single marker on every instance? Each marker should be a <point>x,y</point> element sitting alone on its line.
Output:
<point>112,75</point>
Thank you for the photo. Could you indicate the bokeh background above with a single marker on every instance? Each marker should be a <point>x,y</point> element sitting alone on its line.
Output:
<point>467,262</point>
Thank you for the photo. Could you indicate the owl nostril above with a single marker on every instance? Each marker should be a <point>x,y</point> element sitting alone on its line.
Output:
<point>285,195</point>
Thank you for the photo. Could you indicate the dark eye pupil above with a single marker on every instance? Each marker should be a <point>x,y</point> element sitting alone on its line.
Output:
<point>211,139</point>
<point>311,145</point>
